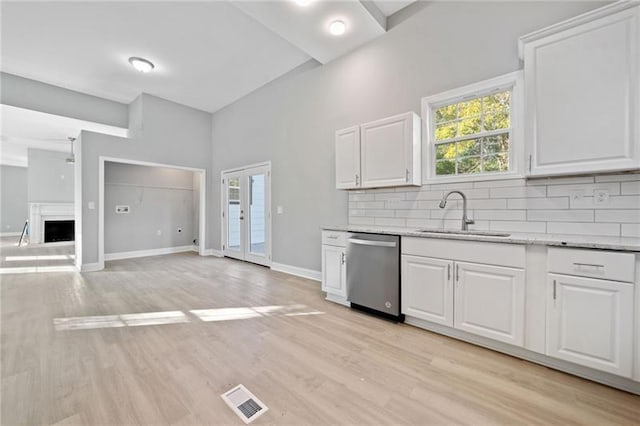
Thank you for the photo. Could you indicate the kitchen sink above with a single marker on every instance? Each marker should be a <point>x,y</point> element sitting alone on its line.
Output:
<point>456,232</point>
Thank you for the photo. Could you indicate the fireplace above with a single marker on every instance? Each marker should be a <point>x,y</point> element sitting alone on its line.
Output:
<point>58,230</point>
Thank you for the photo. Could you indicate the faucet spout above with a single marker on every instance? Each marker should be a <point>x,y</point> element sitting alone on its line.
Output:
<point>465,219</point>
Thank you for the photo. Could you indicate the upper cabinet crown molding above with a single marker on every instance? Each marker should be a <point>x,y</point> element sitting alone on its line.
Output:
<point>380,153</point>
<point>582,94</point>
<point>575,21</point>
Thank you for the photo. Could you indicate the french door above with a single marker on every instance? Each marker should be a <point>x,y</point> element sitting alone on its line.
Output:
<point>246,216</point>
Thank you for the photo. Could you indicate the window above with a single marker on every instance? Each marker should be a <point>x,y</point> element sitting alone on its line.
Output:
<point>471,132</point>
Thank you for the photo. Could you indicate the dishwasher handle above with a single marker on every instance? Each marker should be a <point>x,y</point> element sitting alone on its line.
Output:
<point>372,242</point>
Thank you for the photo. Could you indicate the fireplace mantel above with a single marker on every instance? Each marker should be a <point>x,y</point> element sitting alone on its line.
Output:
<point>39,212</point>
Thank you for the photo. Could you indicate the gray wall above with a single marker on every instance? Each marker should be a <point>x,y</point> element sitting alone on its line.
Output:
<point>292,121</point>
<point>160,199</point>
<point>162,132</point>
<point>50,178</point>
<point>14,208</point>
<point>31,94</point>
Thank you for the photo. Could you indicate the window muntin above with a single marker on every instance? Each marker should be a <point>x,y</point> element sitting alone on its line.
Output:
<point>473,135</point>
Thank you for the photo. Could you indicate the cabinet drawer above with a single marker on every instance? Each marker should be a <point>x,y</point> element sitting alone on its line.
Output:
<point>592,263</point>
<point>334,238</point>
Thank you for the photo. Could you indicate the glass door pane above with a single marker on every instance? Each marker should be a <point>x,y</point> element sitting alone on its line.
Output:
<point>257,214</point>
<point>234,215</point>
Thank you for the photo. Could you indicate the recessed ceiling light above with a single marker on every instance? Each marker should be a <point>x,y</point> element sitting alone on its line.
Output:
<point>303,3</point>
<point>337,28</point>
<point>141,64</point>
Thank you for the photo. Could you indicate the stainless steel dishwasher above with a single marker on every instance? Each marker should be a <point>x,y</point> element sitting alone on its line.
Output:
<point>373,274</point>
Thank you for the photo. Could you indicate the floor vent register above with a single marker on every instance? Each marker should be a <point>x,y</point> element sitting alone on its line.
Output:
<point>244,403</point>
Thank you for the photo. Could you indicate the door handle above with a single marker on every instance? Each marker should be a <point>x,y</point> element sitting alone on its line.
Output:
<point>457,272</point>
<point>343,258</point>
<point>372,243</point>
<point>449,272</point>
<point>554,289</point>
<point>357,179</point>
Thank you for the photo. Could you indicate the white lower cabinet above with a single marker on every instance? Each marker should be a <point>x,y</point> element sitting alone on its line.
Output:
<point>489,301</point>
<point>427,291</point>
<point>334,264</point>
<point>334,270</point>
<point>481,299</point>
<point>590,322</point>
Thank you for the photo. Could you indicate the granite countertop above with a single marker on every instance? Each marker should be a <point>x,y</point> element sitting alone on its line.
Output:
<point>561,240</point>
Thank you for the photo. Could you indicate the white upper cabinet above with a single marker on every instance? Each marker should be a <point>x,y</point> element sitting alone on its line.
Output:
<point>582,93</point>
<point>348,158</point>
<point>381,153</point>
<point>390,150</point>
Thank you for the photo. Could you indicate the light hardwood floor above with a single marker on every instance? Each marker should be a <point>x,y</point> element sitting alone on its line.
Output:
<point>75,350</point>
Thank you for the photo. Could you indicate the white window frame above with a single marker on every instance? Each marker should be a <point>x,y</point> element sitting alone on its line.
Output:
<point>513,81</point>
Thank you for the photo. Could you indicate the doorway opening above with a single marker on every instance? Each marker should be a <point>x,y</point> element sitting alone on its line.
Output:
<point>246,213</point>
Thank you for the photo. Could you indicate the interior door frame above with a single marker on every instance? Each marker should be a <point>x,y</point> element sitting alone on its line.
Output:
<point>268,225</point>
<point>201,173</point>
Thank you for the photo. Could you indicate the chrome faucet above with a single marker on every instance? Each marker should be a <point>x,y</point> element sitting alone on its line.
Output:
<point>465,220</point>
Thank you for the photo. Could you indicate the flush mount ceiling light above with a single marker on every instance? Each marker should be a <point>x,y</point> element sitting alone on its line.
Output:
<point>303,3</point>
<point>141,64</point>
<point>337,27</point>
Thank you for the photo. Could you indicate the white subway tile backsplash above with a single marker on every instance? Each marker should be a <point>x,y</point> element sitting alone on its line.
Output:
<point>355,220</point>
<point>561,180</point>
<point>619,178</point>
<point>425,195</point>
<point>538,203</point>
<point>514,205</point>
<point>512,226</point>
<point>519,192</point>
<point>616,202</point>
<point>629,188</point>
<point>491,204</point>
<point>518,215</point>
<point>618,216</point>
<point>401,204</point>
<point>424,223</point>
<point>631,230</point>
<point>560,215</point>
<point>386,221</point>
<point>415,214</point>
<point>611,229</point>
<point>359,196</point>
<point>504,183</point>
<point>370,204</point>
<point>384,196</point>
<point>587,189</point>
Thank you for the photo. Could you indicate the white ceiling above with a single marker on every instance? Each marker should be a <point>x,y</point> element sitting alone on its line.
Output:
<point>306,27</point>
<point>21,129</point>
<point>207,54</point>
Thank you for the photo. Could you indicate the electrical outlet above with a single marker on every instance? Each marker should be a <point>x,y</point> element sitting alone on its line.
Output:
<point>122,209</point>
<point>159,232</point>
<point>179,230</point>
<point>576,194</point>
<point>600,196</point>
<point>280,209</point>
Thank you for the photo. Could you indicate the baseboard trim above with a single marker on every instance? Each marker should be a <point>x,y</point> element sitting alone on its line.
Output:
<point>338,299</point>
<point>213,252</point>
<point>92,267</point>
<point>535,357</point>
<point>297,271</point>
<point>10,234</point>
<point>146,253</point>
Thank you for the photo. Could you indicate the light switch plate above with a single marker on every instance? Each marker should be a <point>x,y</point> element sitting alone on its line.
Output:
<point>91,205</point>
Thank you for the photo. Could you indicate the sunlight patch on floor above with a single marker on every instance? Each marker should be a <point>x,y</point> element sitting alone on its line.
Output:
<point>37,269</point>
<point>179,317</point>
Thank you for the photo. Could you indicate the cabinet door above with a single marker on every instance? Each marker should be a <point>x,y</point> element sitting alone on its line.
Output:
<point>390,151</point>
<point>348,158</point>
<point>590,322</point>
<point>489,301</point>
<point>582,93</point>
<point>426,289</point>
<point>334,270</point>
